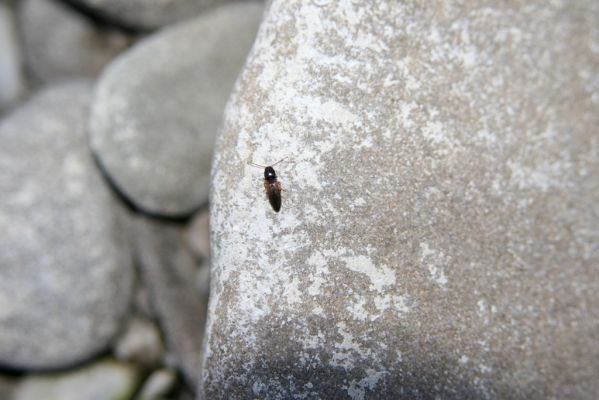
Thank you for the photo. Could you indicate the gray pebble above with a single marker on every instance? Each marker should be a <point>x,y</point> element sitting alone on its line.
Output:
<point>66,276</point>
<point>157,108</point>
<point>60,44</point>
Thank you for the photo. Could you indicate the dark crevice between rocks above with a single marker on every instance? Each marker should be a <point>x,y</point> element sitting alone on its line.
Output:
<point>102,20</point>
<point>181,219</point>
<point>105,353</point>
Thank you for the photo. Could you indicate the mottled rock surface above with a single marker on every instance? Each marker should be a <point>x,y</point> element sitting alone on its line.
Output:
<point>148,14</point>
<point>168,271</point>
<point>438,237</point>
<point>158,107</point>
<point>12,81</point>
<point>104,380</point>
<point>66,276</point>
<point>61,44</point>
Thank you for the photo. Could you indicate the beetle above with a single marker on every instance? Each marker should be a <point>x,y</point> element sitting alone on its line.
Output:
<point>272,185</point>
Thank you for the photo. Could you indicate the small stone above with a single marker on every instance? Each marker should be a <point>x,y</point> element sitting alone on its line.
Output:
<point>7,387</point>
<point>158,385</point>
<point>140,343</point>
<point>168,270</point>
<point>61,44</point>
<point>141,301</point>
<point>157,108</point>
<point>66,273</point>
<point>12,81</point>
<point>103,380</point>
<point>198,235</point>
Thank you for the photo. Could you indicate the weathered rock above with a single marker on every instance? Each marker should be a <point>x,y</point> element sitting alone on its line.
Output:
<point>12,82</point>
<point>168,270</point>
<point>148,14</point>
<point>140,343</point>
<point>104,380</point>
<point>158,107</point>
<point>66,277</point>
<point>158,385</point>
<point>60,44</point>
<point>438,237</point>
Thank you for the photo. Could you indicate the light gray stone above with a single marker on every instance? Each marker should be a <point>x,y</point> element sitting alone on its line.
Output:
<point>198,235</point>
<point>149,14</point>
<point>158,385</point>
<point>168,271</point>
<point>103,380</point>
<point>140,343</point>
<point>60,44</point>
<point>438,237</point>
<point>12,81</point>
<point>157,108</point>
<point>66,275</point>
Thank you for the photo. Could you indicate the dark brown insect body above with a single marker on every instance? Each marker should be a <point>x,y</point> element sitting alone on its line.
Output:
<point>272,186</point>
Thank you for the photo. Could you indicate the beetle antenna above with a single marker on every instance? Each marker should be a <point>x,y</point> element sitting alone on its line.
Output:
<point>256,165</point>
<point>279,161</point>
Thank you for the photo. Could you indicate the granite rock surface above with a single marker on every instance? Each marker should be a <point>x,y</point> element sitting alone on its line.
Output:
<point>438,236</point>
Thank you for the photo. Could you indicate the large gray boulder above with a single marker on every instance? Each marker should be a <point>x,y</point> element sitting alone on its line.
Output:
<point>438,236</point>
<point>157,108</point>
<point>66,274</point>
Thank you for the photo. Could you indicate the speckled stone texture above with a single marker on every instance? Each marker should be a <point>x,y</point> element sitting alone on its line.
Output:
<point>439,233</point>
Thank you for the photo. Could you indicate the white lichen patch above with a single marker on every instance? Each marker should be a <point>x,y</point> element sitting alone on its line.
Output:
<point>348,351</point>
<point>380,276</point>
<point>434,261</point>
<point>356,309</point>
<point>357,389</point>
<point>542,176</point>
<point>397,304</point>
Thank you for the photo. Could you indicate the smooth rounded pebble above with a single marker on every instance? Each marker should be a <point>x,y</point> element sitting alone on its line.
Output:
<point>157,108</point>
<point>103,380</point>
<point>66,274</point>
<point>439,233</point>
<point>140,343</point>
